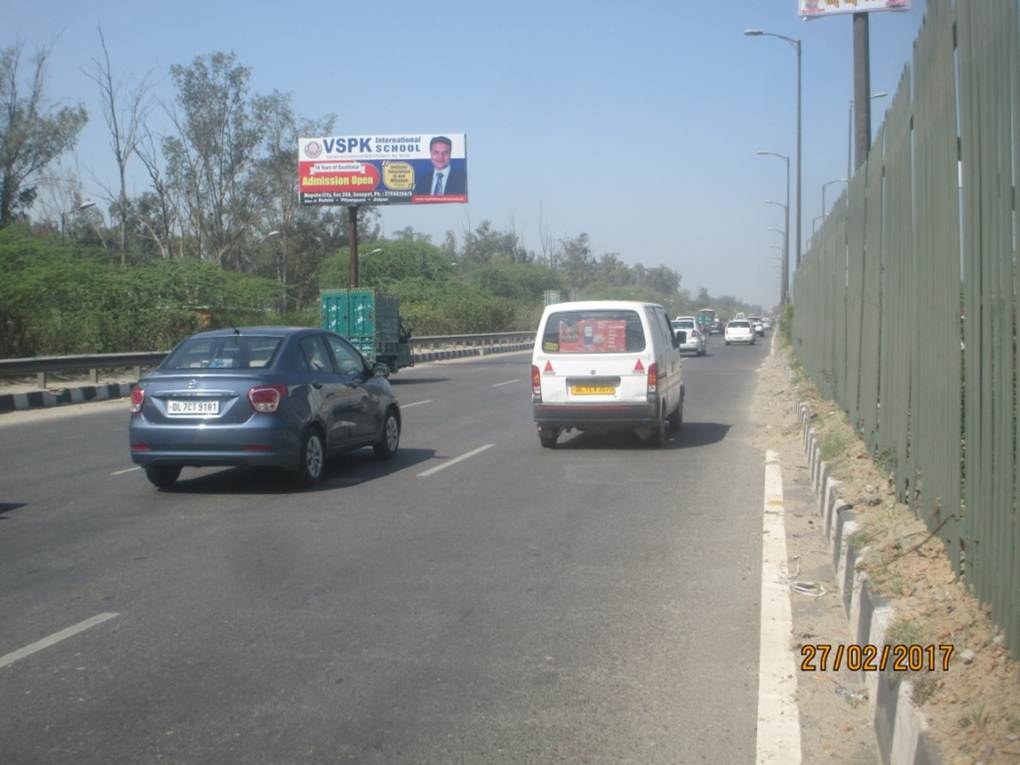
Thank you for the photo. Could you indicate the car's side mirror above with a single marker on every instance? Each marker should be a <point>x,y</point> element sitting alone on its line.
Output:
<point>380,370</point>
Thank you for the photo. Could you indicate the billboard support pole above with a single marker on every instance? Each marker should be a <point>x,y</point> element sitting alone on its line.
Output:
<point>352,238</point>
<point>862,90</point>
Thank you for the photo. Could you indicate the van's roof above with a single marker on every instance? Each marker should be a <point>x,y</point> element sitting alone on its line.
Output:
<point>599,304</point>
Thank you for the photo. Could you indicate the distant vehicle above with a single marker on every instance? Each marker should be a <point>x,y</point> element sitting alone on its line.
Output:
<point>757,325</point>
<point>605,365</point>
<point>706,317</point>
<point>739,331</point>
<point>262,396</point>
<point>370,320</point>
<point>717,327</point>
<point>695,340</point>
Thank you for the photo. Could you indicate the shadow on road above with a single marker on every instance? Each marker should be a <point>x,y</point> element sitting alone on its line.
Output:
<point>693,434</point>
<point>6,507</point>
<point>341,472</point>
<point>418,380</point>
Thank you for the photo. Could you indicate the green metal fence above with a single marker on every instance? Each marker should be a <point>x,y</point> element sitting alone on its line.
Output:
<point>906,302</point>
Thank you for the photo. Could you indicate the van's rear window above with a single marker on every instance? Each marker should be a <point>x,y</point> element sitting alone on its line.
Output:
<point>591,331</point>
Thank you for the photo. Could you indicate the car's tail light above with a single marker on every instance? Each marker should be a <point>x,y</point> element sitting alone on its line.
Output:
<point>141,448</point>
<point>266,398</point>
<point>653,379</point>
<point>137,399</point>
<point>536,384</point>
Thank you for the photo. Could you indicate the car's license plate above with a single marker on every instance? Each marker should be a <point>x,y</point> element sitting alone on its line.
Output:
<point>592,390</point>
<point>192,407</point>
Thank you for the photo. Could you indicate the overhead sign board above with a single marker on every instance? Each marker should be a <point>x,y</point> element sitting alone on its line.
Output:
<point>430,168</point>
<point>818,8</point>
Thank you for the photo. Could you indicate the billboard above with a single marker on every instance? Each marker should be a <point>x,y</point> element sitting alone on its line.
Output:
<point>817,8</point>
<point>430,168</point>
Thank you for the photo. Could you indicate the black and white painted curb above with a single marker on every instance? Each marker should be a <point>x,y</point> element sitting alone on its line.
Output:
<point>11,402</point>
<point>900,726</point>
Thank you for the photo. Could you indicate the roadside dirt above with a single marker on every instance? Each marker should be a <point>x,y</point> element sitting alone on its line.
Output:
<point>973,709</point>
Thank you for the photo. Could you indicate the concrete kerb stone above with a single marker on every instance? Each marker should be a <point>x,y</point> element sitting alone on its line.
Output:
<point>12,402</point>
<point>900,727</point>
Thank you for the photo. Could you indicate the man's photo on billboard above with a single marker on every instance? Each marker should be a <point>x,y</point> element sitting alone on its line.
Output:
<point>444,175</point>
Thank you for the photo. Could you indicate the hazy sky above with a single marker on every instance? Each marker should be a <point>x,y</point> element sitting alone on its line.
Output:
<point>634,122</point>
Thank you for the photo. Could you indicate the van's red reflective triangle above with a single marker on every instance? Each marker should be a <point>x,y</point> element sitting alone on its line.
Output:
<point>639,367</point>
<point>548,368</point>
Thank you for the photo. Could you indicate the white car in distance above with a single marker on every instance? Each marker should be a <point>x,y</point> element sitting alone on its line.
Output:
<point>696,341</point>
<point>739,331</point>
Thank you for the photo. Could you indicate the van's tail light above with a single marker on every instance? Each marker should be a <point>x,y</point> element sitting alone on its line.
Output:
<point>653,379</point>
<point>266,398</point>
<point>137,399</point>
<point>536,384</point>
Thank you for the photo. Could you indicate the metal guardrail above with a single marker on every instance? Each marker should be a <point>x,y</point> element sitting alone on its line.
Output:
<point>43,365</point>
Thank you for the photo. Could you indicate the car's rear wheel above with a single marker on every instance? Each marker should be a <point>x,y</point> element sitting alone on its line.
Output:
<point>389,440</point>
<point>312,458</point>
<point>163,476</point>
<point>661,434</point>
<point>548,437</point>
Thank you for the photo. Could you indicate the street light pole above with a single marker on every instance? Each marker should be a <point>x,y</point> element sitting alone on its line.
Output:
<point>79,208</point>
<point>786,259</point>
<point>797,47</point>
<point>786,209</point>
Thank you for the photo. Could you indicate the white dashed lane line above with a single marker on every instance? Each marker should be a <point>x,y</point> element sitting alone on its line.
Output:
<point>508,382</point>
<point>55,638</point>
<point>126,470</point>
<point>454,461</point>
<point>416,403</point>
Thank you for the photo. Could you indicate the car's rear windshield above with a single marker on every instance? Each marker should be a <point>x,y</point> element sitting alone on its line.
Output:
<point>593,331</point>
<point>228,352</point>
<point>682,323</point>
<point>739,324</point>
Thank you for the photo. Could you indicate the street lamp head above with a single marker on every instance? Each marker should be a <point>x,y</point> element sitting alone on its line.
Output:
<point>753,32</point>
<point>86,205</point>
<point>772,202</point>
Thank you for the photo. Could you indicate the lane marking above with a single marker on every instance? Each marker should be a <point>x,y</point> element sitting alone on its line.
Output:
<point>778,735</point>
<point>128,470</point>
<point>55,638</point>
<point>455,460</point>
<point>499,385</point>
<point>416,403</point>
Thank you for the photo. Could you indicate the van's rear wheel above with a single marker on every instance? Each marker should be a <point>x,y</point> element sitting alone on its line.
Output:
<point>548,437</point>
<point>661,435</point>
<point>676,419</point>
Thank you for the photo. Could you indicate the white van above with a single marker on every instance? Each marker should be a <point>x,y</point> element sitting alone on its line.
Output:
<point>607,364</point>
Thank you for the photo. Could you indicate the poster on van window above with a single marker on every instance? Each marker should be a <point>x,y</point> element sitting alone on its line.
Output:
<point>593,336</point>
<point>815,9</point>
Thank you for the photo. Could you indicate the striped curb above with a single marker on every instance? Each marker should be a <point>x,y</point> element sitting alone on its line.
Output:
<point>900,728</point>
<point>11,402</point>
<point>16,402</point>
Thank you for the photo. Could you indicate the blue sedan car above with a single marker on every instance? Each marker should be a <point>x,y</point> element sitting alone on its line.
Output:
<point>261,396</point>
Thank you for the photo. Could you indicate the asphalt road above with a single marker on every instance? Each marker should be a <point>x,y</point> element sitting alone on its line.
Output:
<point>593,604</point>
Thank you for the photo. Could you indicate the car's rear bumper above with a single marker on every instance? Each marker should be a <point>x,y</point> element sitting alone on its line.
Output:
<point>741,339</point>
<point>262,441</point>
<point>596,414</point>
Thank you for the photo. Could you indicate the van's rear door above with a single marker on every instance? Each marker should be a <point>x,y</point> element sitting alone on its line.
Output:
<point>594,356</point>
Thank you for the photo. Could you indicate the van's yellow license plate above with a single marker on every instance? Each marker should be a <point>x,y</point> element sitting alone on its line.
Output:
<point>592,390</point>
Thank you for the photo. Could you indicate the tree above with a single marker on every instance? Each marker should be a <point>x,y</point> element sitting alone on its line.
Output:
<point>125,119</point>
<point>211,156</point>
<point>486,244</point>
<point>30,136</point>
